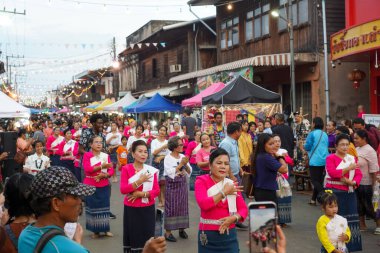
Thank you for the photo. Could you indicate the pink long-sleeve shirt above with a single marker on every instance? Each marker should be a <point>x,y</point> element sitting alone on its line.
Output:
<point>210,210</point>
<point>332,162</point>
<point>129,171</point>
<point>90,174</point>
<point>75,152</point>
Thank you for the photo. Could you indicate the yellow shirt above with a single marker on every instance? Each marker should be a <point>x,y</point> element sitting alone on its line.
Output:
<point>323,235</point>
<point>245,149</point>
<point>352,150</point>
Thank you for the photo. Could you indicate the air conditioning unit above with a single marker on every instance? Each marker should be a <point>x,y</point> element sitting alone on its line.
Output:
<point>175,68</point>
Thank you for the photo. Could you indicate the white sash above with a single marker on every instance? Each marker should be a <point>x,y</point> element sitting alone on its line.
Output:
<point>148,185</point>
<point>231,199</point>
<point>197,148</point>
<point>336,227</point>
<point>78,133</point>
<point>345,163</point>
<point>102,158</point>
<point>69,145</point>
<point>57,141</point>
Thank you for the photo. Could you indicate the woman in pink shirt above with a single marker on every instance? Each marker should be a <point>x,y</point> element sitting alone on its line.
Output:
<point>343,176</point>
<point>203,155</point>
<point>98,168</point>
<point>52,144</point>
<point>178,132</point>
<point>191,151</point>
<point>140,184</point>
<point>68,152</point>
<point>217,231</point>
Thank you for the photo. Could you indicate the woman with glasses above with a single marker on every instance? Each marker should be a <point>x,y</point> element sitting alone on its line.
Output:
<point>176,169</point>
<point>98,168</point>
<point>343,176</point>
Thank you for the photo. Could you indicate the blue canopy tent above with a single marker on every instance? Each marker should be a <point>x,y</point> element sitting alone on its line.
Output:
<point>156,104</point>
<point>126,109</point>
<point>35,111</point>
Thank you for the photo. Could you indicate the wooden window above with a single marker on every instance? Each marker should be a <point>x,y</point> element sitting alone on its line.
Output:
<point>229,33</point>
<point>166,65</point>
<point>154,67</point>
<point>142,71</point>
<point>249,26</point>
<point>300,9</point>
<point>261,21</point>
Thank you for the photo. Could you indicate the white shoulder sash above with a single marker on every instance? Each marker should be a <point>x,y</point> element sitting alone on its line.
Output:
<point>147,186</point>
<point>57,141</point>
<point>231,199</point>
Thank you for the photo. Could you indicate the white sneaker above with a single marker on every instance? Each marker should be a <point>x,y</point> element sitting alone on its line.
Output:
<point>377,231</point>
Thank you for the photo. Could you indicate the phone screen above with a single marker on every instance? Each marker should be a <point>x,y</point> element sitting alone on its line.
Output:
<point>262,227</point>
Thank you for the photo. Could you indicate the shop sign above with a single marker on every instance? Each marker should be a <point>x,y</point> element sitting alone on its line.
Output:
<point>373,119</point>
<point>361,38</point>
<point>224,77</point>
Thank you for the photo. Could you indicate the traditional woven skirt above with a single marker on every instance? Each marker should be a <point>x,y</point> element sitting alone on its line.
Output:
<point>55,160</point>
<point>69,164</point>
<point>348,208</point>
<point>284,207</point>
<point>139,226</point>
<point>98,210</point>
<point>219,243</point>
<point>176,203</point>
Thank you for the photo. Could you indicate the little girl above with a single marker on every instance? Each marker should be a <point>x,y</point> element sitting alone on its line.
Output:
<point>332,229</point>
<point>122,153</point>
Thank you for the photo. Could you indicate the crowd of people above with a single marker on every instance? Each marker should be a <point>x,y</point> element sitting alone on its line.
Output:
<point>66,160</point>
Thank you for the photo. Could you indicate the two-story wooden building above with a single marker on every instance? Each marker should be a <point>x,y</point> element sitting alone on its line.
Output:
<point>255,44</point>
<point>174,49</point>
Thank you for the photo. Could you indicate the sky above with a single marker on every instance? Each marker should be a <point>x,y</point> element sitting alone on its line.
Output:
<point>58,39</point>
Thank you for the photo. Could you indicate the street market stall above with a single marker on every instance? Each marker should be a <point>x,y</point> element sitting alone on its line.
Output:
<point>196,101</point>
<point>241,96</point>
<point>91,107</point>
<point>156,104</point>
<point>106,102</point>
<point>9,108</point>
<point>126,109</point>
<point>63,110</point>
<point>127,100</point>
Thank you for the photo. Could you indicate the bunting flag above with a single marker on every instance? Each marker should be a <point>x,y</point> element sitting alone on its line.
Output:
<point>155,44</point>
<point>139,45</point>
<point>147,44</point>
<point>132,45</point>
<point>163,44</point>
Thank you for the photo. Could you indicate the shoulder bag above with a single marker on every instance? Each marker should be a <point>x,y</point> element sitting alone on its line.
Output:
<point>307,165</point>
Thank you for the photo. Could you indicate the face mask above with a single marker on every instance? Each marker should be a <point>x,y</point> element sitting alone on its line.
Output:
<point>125,122</point>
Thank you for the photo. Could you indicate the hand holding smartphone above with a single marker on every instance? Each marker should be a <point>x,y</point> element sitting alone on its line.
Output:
<point>262,226</point>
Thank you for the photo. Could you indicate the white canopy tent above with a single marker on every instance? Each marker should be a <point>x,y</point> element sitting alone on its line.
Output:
<point>125,101</point>
<point>11,109</point>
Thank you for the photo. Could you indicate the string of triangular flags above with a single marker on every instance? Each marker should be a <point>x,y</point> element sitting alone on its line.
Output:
<point>65,45</point>
<point>154,44</point>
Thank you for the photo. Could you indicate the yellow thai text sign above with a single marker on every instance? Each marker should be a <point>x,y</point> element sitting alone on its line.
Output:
<point>361,38</point>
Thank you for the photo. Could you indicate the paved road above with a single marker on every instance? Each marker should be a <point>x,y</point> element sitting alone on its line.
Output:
<point>301,235</point>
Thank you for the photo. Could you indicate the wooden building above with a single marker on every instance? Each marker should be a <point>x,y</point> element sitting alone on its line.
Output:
<point>254,43</point>
<point>174,49</point>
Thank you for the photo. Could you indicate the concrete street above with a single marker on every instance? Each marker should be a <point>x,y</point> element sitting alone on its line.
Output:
<point>301,235</point>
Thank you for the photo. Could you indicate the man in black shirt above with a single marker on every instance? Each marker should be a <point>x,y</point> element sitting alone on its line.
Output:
<point>188,124</point>
<point>286,134</point>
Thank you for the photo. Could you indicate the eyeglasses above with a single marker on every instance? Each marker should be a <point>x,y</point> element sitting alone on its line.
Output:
<point>180,145</point>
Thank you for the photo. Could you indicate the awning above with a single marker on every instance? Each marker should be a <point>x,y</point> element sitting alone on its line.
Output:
<point>261,60</point>
<point>164,91</point>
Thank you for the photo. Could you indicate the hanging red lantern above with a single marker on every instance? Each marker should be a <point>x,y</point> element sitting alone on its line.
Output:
<point>356,76</point>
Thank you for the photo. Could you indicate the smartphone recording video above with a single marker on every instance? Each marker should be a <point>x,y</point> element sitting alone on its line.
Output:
<point>262,227</point>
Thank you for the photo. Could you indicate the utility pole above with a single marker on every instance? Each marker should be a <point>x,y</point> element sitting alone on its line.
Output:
<point>8,66</point>
<point>115,71</point>
<point>292,64</point>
